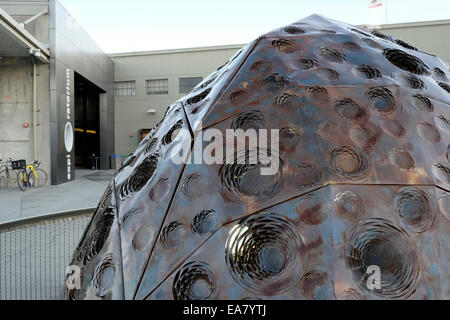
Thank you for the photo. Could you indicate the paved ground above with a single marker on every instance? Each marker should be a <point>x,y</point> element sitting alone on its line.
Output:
<point>82,193</point>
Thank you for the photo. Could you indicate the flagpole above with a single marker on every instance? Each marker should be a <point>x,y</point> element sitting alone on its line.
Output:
<point>386,11</point>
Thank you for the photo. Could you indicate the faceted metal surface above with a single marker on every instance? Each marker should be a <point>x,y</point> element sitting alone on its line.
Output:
<point>363,180</point>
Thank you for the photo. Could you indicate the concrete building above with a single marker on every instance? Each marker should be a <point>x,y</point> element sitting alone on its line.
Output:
<point>148,82</point>
<point>56,90</point>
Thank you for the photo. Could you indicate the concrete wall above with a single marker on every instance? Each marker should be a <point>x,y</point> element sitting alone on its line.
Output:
<point>429,36</point>
<point>16,108</point>
<point>131,111</point>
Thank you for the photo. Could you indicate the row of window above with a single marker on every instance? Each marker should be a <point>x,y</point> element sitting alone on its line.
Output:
<point>155,86</point>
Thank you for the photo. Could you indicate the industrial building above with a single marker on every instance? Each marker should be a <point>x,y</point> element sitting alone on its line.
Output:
<point>63,100</point>
<point>53,78</point>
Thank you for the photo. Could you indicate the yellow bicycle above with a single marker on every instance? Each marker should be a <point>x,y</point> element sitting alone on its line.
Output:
<point>31,176</point>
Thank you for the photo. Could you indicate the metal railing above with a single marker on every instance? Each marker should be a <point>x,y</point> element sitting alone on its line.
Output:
<point>34,254</point>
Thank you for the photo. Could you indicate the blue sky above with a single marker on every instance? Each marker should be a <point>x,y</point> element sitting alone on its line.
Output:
<point>139,25</point>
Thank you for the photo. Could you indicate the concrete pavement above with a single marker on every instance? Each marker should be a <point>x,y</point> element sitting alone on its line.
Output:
<point>84,192</point>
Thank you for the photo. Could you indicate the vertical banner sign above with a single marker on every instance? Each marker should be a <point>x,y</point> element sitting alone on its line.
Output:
<point>68,130</point>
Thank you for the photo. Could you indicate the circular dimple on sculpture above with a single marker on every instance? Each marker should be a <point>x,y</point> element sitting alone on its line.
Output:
<point>238,97</point>
<point>310,210</point>
<point>252,119</point>
<point>307,64</point>
<point>405,45</point>
<point>151,145</point>
<point>392,128</point>
<point>262,67</point>
<point>262,253</point>
<point>352,294</point>
<point>289,138</point>
<point>351,46</point>
<point>172,235</point>
<point>193,186</point>
<point>272,82</point>
<point>444,205</point>
<point>332,55</point>
<point>172,133</point>
<point>285,45</point>
<point>349,162</point>
<point>363,137</point>
<point>194,281</point>
<point>103,278</point>
<point>349,109</point>
<point>405,61</point>
<point>305,175</point>
<point>242,179</point>
<point>328,74</point>
<point>382,99</point>
<point>317,285</point>
<point>444,86</point>
<point>372,43</point>
<point>349,206</point>
<point>140,176</point>
<point>160,190</point>
<point>317,94</point>
<point>286,99</point>
<point>401,159</point>
<point>428,132</point>
<point>199,97</point>
<point>293,30</point>
<point>410,80</point>
<point>441,172</point>
<point>143,237</point>
<point>381,35</point>
<point>414,209</point>
<point>422,103</point>
<point>206,221</point>
<point>439,74</point>
<point>366,71</point>
<point>379,242</point>
<point>442,123</point>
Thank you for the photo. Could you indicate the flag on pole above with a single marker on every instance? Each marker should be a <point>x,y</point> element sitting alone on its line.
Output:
<point>375,3</point>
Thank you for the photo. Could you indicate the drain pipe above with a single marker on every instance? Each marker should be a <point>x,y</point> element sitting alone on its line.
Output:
<point>35,112</point>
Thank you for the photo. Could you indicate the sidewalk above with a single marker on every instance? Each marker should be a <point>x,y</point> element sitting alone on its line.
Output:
<point>84,192</point>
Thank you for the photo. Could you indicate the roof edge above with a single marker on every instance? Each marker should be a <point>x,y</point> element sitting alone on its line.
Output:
<point>181,50</point>
<point>22,34</point>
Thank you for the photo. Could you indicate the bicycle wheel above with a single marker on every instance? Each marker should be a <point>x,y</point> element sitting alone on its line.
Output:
<point>22,180</point>
<point>4,176</point>
<point>41,178</point>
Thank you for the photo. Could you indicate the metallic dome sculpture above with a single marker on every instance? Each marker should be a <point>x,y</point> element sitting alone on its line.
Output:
<point>363,180</point>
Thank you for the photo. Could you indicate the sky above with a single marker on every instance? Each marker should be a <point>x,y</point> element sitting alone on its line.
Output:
<point>141,25</point>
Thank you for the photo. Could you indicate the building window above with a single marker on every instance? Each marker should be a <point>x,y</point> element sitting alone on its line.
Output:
<point>158,86</point>
<point>187,84</point>
<point>125,88</point>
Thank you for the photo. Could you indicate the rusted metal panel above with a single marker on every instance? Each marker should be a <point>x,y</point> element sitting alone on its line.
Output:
<point>363,180</point>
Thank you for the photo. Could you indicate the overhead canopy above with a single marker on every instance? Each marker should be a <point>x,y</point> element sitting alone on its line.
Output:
<point>15,41</point>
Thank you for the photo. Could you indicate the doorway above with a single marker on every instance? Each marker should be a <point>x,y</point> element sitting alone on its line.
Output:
<point>87,123</point>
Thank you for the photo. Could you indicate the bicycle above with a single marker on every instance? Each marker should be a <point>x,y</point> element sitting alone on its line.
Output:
<point>34,177</point>
<point>4,172</point>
